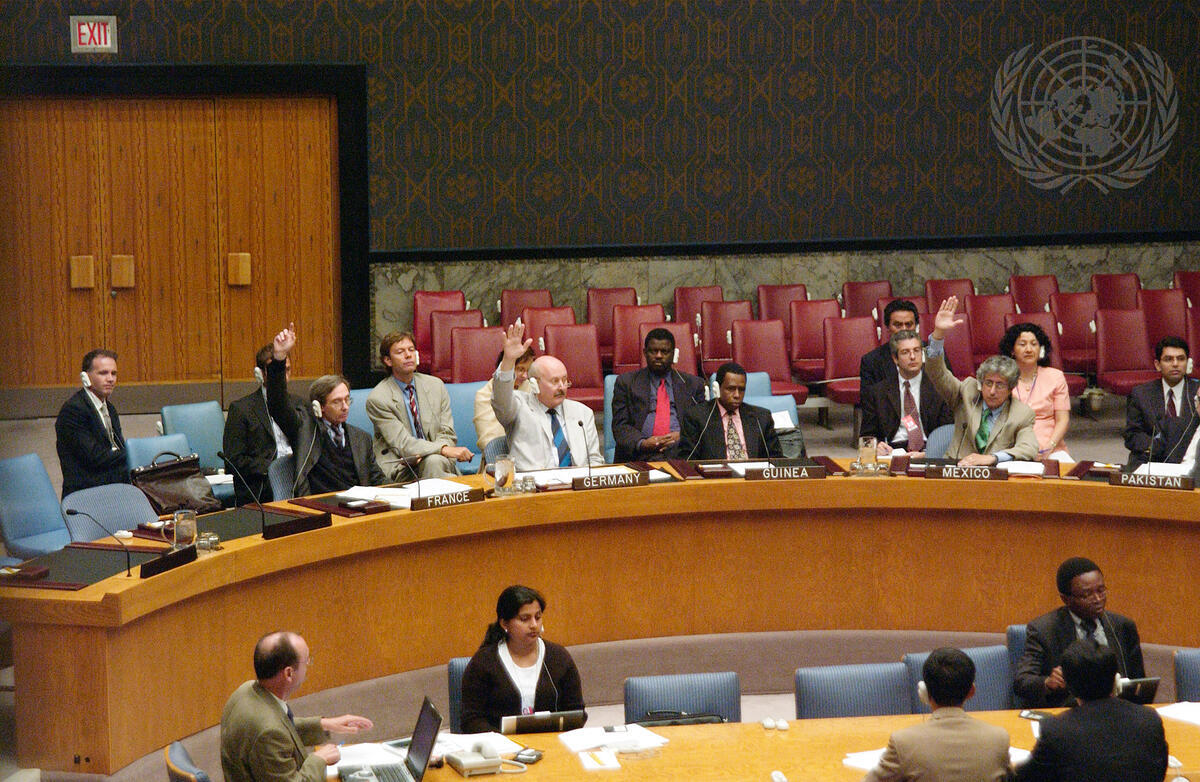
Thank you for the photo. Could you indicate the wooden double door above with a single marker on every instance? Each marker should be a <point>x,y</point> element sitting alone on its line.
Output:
<point>182,233</point>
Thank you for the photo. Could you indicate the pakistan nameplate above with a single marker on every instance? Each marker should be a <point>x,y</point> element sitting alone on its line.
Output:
<point>1177,482</point>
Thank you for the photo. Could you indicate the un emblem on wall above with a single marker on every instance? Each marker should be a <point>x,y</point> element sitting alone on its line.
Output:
<point>1084,110</point>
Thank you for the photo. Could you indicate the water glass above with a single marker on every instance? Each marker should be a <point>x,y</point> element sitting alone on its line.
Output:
<point>868,457</point>
<point>505,473</point>
<point>183,532</point>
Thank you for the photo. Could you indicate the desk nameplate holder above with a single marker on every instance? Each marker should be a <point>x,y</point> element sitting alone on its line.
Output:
<point>445,500</point>
<point>609,480</point>
<point>1177,482</point>
<point>958,472</point>
<point>300,522</point>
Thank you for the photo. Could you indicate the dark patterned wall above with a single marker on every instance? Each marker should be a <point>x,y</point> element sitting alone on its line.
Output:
<point>577,122</point>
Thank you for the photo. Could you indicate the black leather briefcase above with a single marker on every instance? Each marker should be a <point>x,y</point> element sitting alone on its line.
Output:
<point>176,483</point>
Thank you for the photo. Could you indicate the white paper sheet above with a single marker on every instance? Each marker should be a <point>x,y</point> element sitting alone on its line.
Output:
<point>565,475</point>
<point>1023,468</point>
<point>1185,711</point>
<point>401,497</point>
<point>368,754</point>
<point>739,468</point>
<point>868,759</point>
<point>619,738</point>
<point>782,420</point>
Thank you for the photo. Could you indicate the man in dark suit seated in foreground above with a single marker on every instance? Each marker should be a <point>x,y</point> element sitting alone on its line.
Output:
<point>649,403</point>
<point>725,428</point>
<point>91,449</point>
<point>1103,738</point>
<point>900,412</point>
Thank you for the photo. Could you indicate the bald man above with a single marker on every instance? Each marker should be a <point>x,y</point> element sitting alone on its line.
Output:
<point>545,429</point>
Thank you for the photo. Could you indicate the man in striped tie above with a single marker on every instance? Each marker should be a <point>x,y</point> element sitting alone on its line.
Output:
<point>545,429</point>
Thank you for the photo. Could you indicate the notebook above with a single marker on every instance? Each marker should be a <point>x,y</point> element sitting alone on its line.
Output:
<point>424,736</point>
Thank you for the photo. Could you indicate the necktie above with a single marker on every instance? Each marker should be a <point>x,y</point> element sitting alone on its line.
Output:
<point>662,411</point>
<point>733,444</point>
<point>108,428</point>
<point>1089,628</point>
<point>418,431</point>
<point>291,717</point>
<point>560,440</point>
<point>985,430</point>
<point>1172,411</point>
<point>916,440</point>
<point>339,438</point>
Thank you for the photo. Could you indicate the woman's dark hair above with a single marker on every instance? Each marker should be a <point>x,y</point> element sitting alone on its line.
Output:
<point>1009,341</point>
<point>508,605</point>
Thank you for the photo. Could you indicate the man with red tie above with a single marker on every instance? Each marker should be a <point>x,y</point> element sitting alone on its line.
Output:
<point>1159,419</point>
<point>649,403</point>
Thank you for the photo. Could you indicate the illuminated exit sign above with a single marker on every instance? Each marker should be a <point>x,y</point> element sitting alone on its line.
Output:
<point>94,34</point>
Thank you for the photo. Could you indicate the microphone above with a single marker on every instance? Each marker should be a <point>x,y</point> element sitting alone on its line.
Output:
<point>703,429</point>
<point>586,445</point>
<point>1112,633</point>
<point>762,438</point>
<point>128,559</point>
<point>552,684</point>
<point>262,512</point>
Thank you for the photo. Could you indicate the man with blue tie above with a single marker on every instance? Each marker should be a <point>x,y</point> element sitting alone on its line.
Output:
<point>545,429</point>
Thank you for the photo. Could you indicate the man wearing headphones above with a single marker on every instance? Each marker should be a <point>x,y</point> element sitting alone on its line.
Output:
<point>91,450</point>
<point>726,427</point>
<point>649,403</point>
<point>331,455</point>
<point>252,439</point>
<point>1159,417</point>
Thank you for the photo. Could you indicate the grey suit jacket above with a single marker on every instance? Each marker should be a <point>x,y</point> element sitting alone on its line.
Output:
<point>528,428</point>
<point>394,440</point>
<point>260,744</point>
<point>1012,432</point>
<point>950,747</point>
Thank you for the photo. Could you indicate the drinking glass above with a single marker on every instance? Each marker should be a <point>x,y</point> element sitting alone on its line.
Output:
<point>184,531</point>
<point>505,472</point>
<point>868,457</point>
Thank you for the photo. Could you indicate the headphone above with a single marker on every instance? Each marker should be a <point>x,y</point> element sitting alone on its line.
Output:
<point>258,375</point>
<point>83,378</point>
<point>316,408</point>
<point>1042,352</point>
<point>923,693</point>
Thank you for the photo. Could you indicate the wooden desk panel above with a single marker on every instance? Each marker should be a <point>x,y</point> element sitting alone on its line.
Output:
<point>393,592</point>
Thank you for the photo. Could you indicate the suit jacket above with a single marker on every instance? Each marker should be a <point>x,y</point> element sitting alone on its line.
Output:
<point>302,430</point>
<point>882,408</point>
<point>701,435</point>
<point>877,365</point>
<point>951,746</point>
<point>635,395</point>
<point>488,692</point>
<point>249,442</point>
<point>1011,432</point>
<point>1106,740</point>
<point>1146,416</point>
<point>84,451</point>
<point>527,427</point>
<point>394,440</point>
<point>487,428</point>
<point>260,744</point>
<point>1048,636</point>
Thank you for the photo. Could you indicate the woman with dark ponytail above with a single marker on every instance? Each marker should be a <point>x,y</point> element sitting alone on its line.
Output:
<point>514,671</point>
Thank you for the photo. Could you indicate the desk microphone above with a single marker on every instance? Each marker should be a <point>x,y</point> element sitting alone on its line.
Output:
<point>128,559</point>
<point>261,511</point>
<point>586,445</point>
<point>1111,632</point>
<point>703,429</point>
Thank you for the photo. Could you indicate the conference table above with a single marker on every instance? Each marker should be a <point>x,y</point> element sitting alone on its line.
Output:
<point>112,671</point>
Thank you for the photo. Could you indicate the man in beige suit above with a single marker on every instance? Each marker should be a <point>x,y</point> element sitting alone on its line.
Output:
<point>261,741</point>
<point>990,426</point>
<point>414,429</point>
<point>951,746</point>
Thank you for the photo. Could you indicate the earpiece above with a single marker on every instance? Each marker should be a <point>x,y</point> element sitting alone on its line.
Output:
<point>417,356</point>
<point>1189,365</point>
<point>1118,684</point>
<point>258,375</point>
<point>1042,352</point>
<point>83,378</point>
<point>922,692</point>
<point>715,390</point>
<point>316,408</point>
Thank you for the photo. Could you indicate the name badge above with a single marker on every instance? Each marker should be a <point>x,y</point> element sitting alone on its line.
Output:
<point>1177,482</point>
<point>610,480</point>
<point>789,473</point>
<point>445,500</point>
<point>974,473</point>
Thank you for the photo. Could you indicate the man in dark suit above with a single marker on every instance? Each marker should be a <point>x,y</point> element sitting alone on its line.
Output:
<point>261,740</point>
<point>252,440</point>
<point>901,412</point>
<point>725,428</point>
<point>649,403</point>
<point>91,449</point>
<point>1039,678</point>
<point>1159,415</point>
<point>1103,738</point>
<point>331,455</point>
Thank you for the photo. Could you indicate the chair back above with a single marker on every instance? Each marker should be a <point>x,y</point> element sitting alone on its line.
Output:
<point>685,343</point>
<point>1031,292</point>
<point>627,346</point>
<point>776,403</point>
<point>358,410</point>
<point>610,444</point>
<point>774,303</point>
<point>859,298</point>
<point>577,346</point>
<point>862,690</point>
<point>441,323</point>
<point>140,451</point>
<point>425,303</point>
<point>1121,343</point>
<point>694,693</point>
<point>537,318</point>
<point>1189,283</point>
<point>600,304</point>
<point>993,683</point>
<point>1116,291</point>
<point>760,346</point>
<point>846,341</point>
<point>462,410</point>
<point>938,441</point>
<point>1076,317</point>
<point>31,520</point>
<point>1014,641</point>
<point>493,448</point>
<point>204,425</point>
<point>957,345</point>
<point>115,505</point>
<point>806,347</point>
<point>454,677</point>
<point>937,291</point>
<point>716,324</point>
<point>688,299</point>
<point>513,302</point>
<point>180,767</point>
<point>1187,675</point>
<point>987,324</point>
<point>281,474</point>
<point>473,353</point>
<point>1166,314</point>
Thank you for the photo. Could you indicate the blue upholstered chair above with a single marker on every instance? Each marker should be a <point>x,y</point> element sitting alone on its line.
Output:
<point>694,693</point>
<point>358,411</point>
<point>610,444</point>
<point>116,506</point>
<point>462,408</point>
<point>493,448</point>
<point>938,441</point>
<point>1187,674</point>
<point>993,682</point>
<point>281,474</point>
<point>180,767</point>
<point>204,425</point>
<point>785,403</point>
<point>31,521</point>
<point>852,690</point>
<point>454,677</point>
<point>1014,638</point>
<point>140,451</point>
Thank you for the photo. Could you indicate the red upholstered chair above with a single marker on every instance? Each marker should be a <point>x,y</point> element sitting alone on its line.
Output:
<point>577,346</point>
<point>600,303</point>
<point>688,299</point>
<point>806,348</point>
<point>1076,315</point>
<point>1166,314</point>
<point>537,318</point>
<point>513,302</point>
<point>1189,283</point>
<point>473,353</point>
<point>774,300</point>
<point>716,324</point>
<point>685,343</point>
<point>1116,291</point>
<point>425,303</point>
<point>881,305</point>
<point>987,324</point>
<point>846,341</point>
<point>1123,357</point>
<point>1031,292</point>
<point>759,346</point>
<point>957,346</point>
<point>440,324</point>
<point>627,346</point>
<point>859,298</point>
<point>1045,320</point>
<point>937,291</point>
<point>1193,336</point>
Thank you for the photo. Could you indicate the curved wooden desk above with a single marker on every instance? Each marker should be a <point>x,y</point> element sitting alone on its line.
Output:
<point>111,672</point>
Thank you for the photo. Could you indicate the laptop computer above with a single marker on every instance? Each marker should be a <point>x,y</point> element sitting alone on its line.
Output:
<point>420,747</point>
<point>543,722</point>
<point>1139,690</point>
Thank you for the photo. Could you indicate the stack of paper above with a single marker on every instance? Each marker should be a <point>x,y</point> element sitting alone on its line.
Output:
<point>868,759</point>
<point>401,497</point>
<point>463,742</point>
<point>564,475</point>
<point>619,738</point>
<point>1184,712</point>
<point>739,468</point>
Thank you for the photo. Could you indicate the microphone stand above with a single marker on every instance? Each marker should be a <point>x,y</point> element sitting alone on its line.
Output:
<point>128,558</point>
<point>261,511</point>
<point>586,445</point>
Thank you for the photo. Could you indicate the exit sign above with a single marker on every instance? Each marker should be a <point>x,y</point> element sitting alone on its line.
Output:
<point>94,34</point>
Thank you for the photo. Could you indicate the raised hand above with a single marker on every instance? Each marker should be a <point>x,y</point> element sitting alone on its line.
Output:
<point>945,319</point>
<point>515,345</point>
<point>284,342</point>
